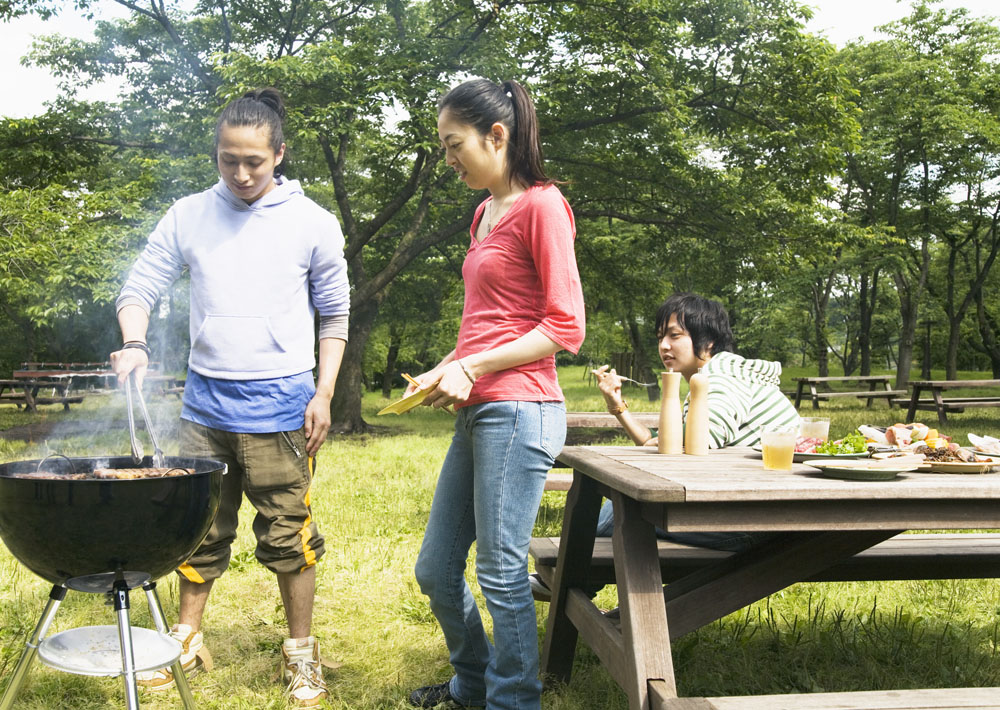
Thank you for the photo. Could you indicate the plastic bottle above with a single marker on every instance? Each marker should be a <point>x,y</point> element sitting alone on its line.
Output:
<point>696,431</point>
<point>670,438</point>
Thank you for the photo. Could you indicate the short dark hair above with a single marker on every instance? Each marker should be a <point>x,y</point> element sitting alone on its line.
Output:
<point>258,108</point>
<point>705,320</point>
<point>480,103</point>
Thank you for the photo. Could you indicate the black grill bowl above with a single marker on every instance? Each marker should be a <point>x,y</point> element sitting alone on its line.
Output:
<point>70,528</point>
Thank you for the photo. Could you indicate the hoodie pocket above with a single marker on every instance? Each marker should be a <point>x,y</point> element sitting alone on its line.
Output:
<point>237,343</point>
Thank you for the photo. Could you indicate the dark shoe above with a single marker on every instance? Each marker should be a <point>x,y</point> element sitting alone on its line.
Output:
<point>539,590</point>
<point>430,696</point>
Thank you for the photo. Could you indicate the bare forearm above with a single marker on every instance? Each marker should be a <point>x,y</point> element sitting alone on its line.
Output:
<point>637,432</point>
<point>529,347</point>
<point>331,355</point>
<point>134,322</point>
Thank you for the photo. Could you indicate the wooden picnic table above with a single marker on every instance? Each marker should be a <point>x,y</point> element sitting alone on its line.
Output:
<point>26,392</point>
<point>937,402</point>
<point>817,522</point>
<point>873,382</point>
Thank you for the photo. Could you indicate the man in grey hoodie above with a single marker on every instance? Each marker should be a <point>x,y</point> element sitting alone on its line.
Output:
<point>263,260</point>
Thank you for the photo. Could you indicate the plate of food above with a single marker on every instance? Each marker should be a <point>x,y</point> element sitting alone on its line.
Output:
<point>407,403</point>
<point>867,470</point>
<point>951,459</point>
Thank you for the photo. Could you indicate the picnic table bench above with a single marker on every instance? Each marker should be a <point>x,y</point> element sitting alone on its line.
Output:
<point>873,383</point>
<point>937,402</point>
<point>903,557</point>
<point>26,392</point>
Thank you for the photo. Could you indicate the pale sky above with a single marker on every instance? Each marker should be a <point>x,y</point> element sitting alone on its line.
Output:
<point>27,88</point>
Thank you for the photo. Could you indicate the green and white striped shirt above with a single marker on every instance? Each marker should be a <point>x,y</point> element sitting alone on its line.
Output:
<point>743,396</point>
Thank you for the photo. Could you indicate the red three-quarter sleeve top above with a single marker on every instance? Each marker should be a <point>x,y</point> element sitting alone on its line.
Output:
<point>522,276</point>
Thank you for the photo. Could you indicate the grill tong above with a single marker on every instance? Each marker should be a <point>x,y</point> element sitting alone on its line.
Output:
<point>137,452</point>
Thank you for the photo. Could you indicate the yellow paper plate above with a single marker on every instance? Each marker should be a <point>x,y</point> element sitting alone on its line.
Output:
<point>407,403</point>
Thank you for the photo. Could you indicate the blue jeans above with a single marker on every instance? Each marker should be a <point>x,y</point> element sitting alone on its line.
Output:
<point>489,490</point>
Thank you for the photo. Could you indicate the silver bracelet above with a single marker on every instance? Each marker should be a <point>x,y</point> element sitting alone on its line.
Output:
<point>471,378</point>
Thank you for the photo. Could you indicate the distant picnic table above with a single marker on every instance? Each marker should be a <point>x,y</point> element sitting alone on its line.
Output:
<point>937,402</point>
<point>27,392</point>
<point>878,387</point>
<point>65,380</point>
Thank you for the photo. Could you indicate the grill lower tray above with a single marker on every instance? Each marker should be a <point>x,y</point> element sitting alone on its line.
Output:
<point>95,650</point>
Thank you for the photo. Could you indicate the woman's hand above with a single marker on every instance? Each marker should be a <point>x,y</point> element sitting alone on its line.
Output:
<point>453,386</point>
<point>610,385</point>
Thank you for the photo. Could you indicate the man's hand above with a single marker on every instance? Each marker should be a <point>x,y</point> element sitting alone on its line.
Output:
<point>128,360</point>
<point>317,423</point>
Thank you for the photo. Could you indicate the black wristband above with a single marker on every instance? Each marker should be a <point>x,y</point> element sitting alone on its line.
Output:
<point>137,345</point>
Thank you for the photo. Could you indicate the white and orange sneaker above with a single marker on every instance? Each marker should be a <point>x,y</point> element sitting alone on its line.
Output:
<point>302,671</point>
<point>194,659</point>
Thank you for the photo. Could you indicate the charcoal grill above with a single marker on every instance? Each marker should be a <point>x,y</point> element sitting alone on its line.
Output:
<point>105,536</point>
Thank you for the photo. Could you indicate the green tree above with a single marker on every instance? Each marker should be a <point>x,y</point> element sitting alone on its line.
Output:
<point>929,108</point>
<point>699,122</point>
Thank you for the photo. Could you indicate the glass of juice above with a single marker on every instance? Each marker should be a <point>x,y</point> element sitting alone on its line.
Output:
<point>778,446</point>
<point>814,428</point>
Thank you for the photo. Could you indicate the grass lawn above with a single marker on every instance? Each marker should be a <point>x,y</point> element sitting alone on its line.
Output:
<point>371,498</point>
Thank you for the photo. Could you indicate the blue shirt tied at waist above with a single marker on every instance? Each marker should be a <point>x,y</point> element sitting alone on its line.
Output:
<point>248,406</point>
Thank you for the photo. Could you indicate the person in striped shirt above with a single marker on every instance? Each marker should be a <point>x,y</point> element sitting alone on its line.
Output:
<point>743,396</point>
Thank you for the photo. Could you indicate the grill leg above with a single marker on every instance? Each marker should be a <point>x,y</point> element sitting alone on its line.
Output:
<point>120,596</point>
<point>156,611</point>
<point>56,596</point>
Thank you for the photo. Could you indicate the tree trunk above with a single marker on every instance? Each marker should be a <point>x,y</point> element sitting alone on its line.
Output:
<point>925,364</point>
<point>988,331</point>
<point>390,365</point>
<point>868,299</point>
<point>345,409</point>
<point>908,317</point>
<point>909,300</point>
<point>642,363</point>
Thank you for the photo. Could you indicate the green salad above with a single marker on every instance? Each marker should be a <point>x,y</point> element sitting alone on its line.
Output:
<point>850,444</point>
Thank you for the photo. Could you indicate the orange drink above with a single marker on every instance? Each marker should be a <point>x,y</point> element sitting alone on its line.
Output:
<point>778,447</point>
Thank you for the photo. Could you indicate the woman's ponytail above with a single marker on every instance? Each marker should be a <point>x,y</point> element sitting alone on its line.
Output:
<point>524,157</point>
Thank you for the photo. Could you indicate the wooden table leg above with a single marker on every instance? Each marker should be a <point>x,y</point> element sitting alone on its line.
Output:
<point>576,549</point>
<point>871,388</point>
<point>29,398</point>
<point>813,393</point>
<point>643,614</point>
<point>939,404</point>
<point>798,394</point>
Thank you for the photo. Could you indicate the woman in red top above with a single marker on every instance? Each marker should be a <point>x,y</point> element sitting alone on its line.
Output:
<point>523,303</point>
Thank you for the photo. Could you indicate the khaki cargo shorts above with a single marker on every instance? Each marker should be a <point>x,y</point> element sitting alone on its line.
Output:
<point>275,474</point>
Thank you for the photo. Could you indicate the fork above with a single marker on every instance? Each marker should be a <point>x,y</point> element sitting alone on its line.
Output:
<point>641,384</point>
<point>629,379</point>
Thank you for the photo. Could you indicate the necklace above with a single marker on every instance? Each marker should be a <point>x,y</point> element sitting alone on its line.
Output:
<point>489,220</point>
